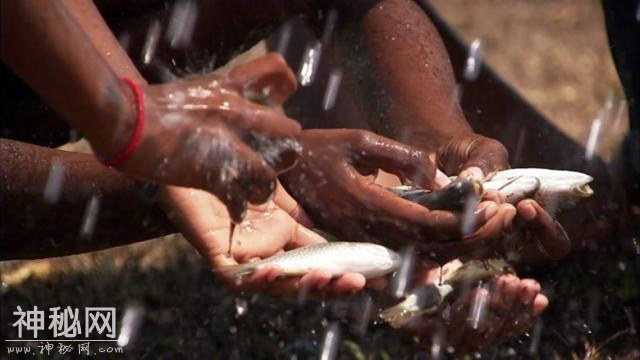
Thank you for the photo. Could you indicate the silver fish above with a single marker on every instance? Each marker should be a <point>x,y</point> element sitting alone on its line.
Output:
<point>547,187</point>
<point>550,188</point>
<point>428,299</point>
<point>335,258</point>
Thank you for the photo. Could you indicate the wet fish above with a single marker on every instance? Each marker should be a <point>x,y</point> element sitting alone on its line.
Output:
<point>335,258</point>
<point>548,187</point>
<point>452,197</point>
<point>428,299</point>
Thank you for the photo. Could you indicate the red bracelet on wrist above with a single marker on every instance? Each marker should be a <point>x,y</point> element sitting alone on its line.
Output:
<point>137,132</point>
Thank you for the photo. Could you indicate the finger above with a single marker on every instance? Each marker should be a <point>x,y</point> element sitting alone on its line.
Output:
<point>268,75</point>
<point>254,179</point>
<point>494,195</point>
<point>287,203</point>
<point>303,236</point>
<point>247,116</point>
<point>378,284</point>
<point>315,280</point>
<point>405,161</point>
<point>540,303</point>
<point>550,240</point>
<point>486,155</point>
<point>347,284</point>
<point>510,290</point>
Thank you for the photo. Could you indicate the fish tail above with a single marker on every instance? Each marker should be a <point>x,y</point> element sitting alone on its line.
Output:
<point>399,315</point>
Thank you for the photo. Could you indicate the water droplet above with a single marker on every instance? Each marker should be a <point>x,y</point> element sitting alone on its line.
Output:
<point>55,181</point>
<point>131,322</point>
<point>331,92</point>
<point>479,308</point>
<point>535,339</point>
<point>401,278</point>
<point>331,343</point>
<point>310,63</point>
<point>90,217</point>
<point>182,23</point>
<point>474,60</point>
<point>151,42</point>
<point>241,306</point>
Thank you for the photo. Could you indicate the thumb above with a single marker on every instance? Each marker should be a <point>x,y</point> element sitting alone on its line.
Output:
<point>265,79</point>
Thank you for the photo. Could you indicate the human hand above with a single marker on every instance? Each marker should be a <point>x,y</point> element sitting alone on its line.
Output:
<point>472,155</point>
<point>202,133</point>
<point>330,181</point>
<point>481,316</point>
<point>268,229</point>
<point>540,238</point>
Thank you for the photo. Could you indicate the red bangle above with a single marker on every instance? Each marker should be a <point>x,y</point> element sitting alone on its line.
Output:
<point>137,132</point>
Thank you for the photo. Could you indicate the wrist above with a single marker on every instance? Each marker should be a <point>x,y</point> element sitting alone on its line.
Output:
<point>117,121</point>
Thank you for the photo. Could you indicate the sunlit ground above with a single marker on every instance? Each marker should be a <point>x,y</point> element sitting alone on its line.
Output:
<point>555,54</point>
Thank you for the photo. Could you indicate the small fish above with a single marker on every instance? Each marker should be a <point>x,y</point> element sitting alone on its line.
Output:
<point>335,258</point>
<point>428,299</point>
<point>548,187</point>
<point>452,197</point>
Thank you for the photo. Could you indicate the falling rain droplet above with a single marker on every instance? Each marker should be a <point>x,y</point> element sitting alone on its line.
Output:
<point>522,136</point>
<point>592,140</point>
<point>310,62</point>
<point>55,181</point>
<point>619,116</point>
<point>241,306</point>
<point>535,338</point>
<point>331,342</point>
<point>638,12</point>
<point>284,38</point>
<point>182,23</point>
<point>469,215</point>
<point>90,217</point>
<point>125,40</point>
<point>400,281</point>
<point>478,311</point>
<point>329,26</point>
<point>131,323</point>
<point>474,60</point>
<point>362,308</point>
<point>151,42</point>
<point>331,92</point>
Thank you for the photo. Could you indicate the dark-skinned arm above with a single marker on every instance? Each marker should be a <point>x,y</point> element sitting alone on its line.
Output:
<point>34,227</point>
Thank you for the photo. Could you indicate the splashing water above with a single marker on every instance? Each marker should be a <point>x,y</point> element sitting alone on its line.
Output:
<point>310,62</point>
<point>90,217</point>
<point>331,92</point>
<point>55,181</point>
<point>331,343</point>
<point>151,42</point>
<point>182,23</point>
<point>131,323</point>
<point>329,26</point>
<point>619,116</point>
<point>638,12</point>
<point>478,311</point>
<point>125,40</point>
<point>474,60</point>
<point>401,279</point>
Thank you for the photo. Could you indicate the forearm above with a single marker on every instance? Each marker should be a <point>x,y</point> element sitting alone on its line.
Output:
<point>42,43</point>
<point>413,68</point>
<point>36,223</point>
